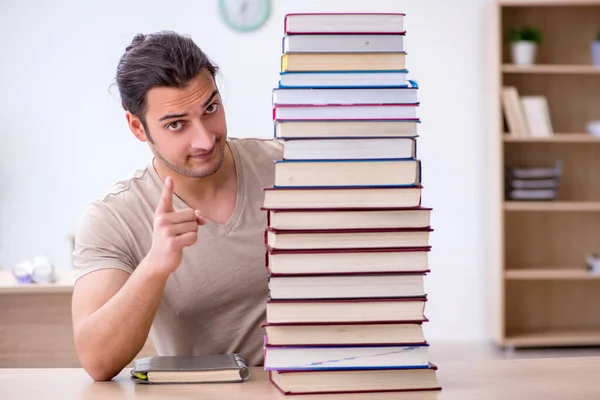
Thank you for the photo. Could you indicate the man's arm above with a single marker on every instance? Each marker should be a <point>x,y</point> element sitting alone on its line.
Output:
<point>112,315</point>
<point>113,310</point>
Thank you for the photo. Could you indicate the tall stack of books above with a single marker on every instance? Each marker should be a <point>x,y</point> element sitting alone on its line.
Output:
<point>347,238</point>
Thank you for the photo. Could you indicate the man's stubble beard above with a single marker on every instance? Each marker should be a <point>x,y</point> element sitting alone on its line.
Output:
<point>191,173</point>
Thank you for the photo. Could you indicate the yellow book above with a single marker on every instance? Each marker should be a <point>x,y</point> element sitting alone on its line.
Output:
<point>343,61</point>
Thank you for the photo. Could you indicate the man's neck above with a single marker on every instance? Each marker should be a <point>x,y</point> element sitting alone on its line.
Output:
<point>198,190</point>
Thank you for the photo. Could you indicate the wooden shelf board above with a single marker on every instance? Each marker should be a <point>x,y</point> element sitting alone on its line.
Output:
<point>550,69</point>
<point>555,138</point>
<point>541,3</point>
<point>550,274</point>
<point>574,337</point>
<point>574,206</point>
<point>64,283</point>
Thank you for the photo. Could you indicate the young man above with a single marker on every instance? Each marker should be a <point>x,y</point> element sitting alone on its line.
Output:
<point>176,250</point>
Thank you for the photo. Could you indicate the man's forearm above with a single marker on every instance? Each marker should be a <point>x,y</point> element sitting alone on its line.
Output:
<point>108,339</point>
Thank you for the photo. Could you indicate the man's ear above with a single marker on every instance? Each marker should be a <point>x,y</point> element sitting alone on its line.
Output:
<point>136,127</point>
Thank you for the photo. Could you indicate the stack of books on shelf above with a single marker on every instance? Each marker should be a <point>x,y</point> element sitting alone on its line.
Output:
<point>347,238</point>
<point>533,182</point>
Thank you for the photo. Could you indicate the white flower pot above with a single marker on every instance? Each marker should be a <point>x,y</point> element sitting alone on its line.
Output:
<point>595,50</point>
<point>523,52</point>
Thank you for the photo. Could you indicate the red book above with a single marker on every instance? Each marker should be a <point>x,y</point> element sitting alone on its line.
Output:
<point>356,381</point>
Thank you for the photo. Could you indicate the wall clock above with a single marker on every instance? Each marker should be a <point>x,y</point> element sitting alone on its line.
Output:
<point>245,15</point>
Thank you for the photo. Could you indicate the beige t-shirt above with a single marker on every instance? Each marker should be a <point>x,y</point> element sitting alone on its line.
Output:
<point>215,301</point>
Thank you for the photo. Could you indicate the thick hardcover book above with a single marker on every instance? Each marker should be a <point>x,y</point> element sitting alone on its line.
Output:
<point>353,356</point>
<point>346,23</point>
<point>356,381</point>
<point>346,311</point>
<point>346,261</point>
<point>348,173</point>
<point>342,197</point>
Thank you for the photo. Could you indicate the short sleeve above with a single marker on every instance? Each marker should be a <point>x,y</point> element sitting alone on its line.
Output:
<point>101,242</point>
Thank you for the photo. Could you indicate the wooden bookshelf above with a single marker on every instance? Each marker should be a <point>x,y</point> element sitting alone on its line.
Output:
<point>565,206</point>
<point>550,69</point>
<point>560,273</point>
<point>549,338</point>
<point>540,292</point>
<point>555,138</point>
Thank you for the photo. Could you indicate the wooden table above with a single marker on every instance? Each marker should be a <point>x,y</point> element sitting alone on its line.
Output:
<point>542,378</point>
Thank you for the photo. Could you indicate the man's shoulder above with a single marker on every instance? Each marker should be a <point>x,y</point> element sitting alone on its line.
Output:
<point>258,148</point>
<point>125,194</point>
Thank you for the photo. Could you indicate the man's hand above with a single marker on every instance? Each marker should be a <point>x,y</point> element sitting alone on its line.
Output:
<point>173,230</point>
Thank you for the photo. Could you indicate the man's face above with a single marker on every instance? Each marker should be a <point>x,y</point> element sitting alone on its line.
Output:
<point>186,127</point>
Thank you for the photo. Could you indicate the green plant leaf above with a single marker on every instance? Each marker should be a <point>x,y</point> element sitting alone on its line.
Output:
<point>525,33</point>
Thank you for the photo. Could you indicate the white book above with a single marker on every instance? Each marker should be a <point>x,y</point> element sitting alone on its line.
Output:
<point>344,23</point>
<point>537,115</point>
<point>346,79</point>
<point>346,112</point>
<point>342,43</point>
<point>346,286</point>
<point>303,357</point>
<point>349,148</point>
<point>407,95</point>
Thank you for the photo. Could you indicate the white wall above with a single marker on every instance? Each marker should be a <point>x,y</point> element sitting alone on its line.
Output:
<point>63,137</point>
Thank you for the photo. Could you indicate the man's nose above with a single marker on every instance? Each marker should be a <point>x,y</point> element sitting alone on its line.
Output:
<point>202,138</point>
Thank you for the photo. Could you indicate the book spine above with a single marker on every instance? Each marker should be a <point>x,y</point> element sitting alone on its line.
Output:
<point>241,362</point>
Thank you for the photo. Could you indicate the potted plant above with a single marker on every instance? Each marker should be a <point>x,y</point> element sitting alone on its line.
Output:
<point>524,42</point>
<point>595,49</point>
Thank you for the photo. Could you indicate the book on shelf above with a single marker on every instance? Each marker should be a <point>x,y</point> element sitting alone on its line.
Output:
<point>513,112</point>
<point>537,115</point>
<point>526,116</point>
<point>347,239</point>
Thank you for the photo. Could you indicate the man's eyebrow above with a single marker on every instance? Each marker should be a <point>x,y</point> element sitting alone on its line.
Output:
<point>206,103</point>
<point>171,116</point>
<point>212,96</point>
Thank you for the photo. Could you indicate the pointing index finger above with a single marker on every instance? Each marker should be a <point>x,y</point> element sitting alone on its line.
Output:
<point>166,199</point>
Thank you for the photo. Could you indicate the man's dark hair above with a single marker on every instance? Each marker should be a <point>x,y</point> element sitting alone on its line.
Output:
<point>158,59</point>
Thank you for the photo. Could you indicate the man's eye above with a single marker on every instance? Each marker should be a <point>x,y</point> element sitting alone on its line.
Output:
<point>175,126</point>
<point>212,108</point>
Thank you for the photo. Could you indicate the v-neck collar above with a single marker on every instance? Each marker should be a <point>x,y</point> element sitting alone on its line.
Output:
<point>214,227</point>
